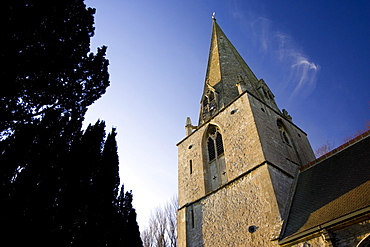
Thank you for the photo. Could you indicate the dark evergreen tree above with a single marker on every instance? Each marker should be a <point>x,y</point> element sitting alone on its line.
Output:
<point>131,228</point>
<point>58,184</point>
<point>107,177</point>
<point>32,198</point>
<point>47,63</point>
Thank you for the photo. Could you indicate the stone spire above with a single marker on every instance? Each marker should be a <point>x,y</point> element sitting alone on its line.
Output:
<point>227,77</point>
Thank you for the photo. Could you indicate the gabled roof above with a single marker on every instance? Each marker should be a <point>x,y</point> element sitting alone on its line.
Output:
<point>331,188</point>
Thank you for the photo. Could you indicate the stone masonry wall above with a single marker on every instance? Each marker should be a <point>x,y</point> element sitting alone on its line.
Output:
<point>317,241</point>
<point>288,156</point>
<point>242,147</point>
<point>243,213</point>
<point>351,235</point>
<point>347,234</point>
<point>190,180</point>
<point>243,144</point>
<point>249,198</point>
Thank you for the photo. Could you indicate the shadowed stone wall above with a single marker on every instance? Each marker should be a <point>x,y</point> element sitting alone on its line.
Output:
<point>347,234</point>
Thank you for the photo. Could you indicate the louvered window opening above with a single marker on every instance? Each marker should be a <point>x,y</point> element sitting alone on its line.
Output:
<point>211,149</point>
<point>219,144</point>
<point>205,101</point>
<point>211,96</point>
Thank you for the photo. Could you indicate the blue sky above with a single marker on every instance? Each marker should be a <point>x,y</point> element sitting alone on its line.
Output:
<point>314,55</point>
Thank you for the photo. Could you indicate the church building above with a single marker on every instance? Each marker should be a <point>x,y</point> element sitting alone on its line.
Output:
<point>247,175</point>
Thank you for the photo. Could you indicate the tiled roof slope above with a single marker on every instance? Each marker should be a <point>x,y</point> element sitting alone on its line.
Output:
<point>331,188</point>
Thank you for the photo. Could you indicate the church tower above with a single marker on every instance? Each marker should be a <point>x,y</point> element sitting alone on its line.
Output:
<point>237,167</point>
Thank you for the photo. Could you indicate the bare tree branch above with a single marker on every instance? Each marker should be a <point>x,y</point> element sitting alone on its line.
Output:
<point>162,228</point>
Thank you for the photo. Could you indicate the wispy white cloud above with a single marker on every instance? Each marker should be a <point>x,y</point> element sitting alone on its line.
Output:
<point>303,72</point>
<point>262,30</point>
<point>300,73</point>
<point>306,75</point>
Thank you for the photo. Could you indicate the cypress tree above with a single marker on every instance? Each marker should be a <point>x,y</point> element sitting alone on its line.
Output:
<point>130,228</point>
<point>59,184</point>
<point>47,64</point>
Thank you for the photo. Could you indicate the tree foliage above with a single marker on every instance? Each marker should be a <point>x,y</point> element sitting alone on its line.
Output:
<point>58,183</point>
<point>47,64</point>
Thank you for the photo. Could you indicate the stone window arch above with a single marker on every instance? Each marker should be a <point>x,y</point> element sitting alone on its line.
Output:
<point>284,133</point>
<point>364,242</point>
<point>215,167</point>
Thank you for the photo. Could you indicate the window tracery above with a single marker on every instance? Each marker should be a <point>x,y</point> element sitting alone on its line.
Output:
<point>215,160</point>
<point>283,133</point>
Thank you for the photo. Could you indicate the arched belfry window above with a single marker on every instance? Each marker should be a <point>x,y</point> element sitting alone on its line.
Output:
<point>215,167</point>
<point>283,133</point>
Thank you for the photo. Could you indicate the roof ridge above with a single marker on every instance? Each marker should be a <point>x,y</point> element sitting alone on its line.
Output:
<point>336,150</point>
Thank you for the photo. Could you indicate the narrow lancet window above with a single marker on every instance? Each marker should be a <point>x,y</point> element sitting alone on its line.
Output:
<point>192,218</point>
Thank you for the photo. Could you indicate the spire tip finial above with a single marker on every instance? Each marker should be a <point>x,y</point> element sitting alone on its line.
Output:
<point>213,16</point>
